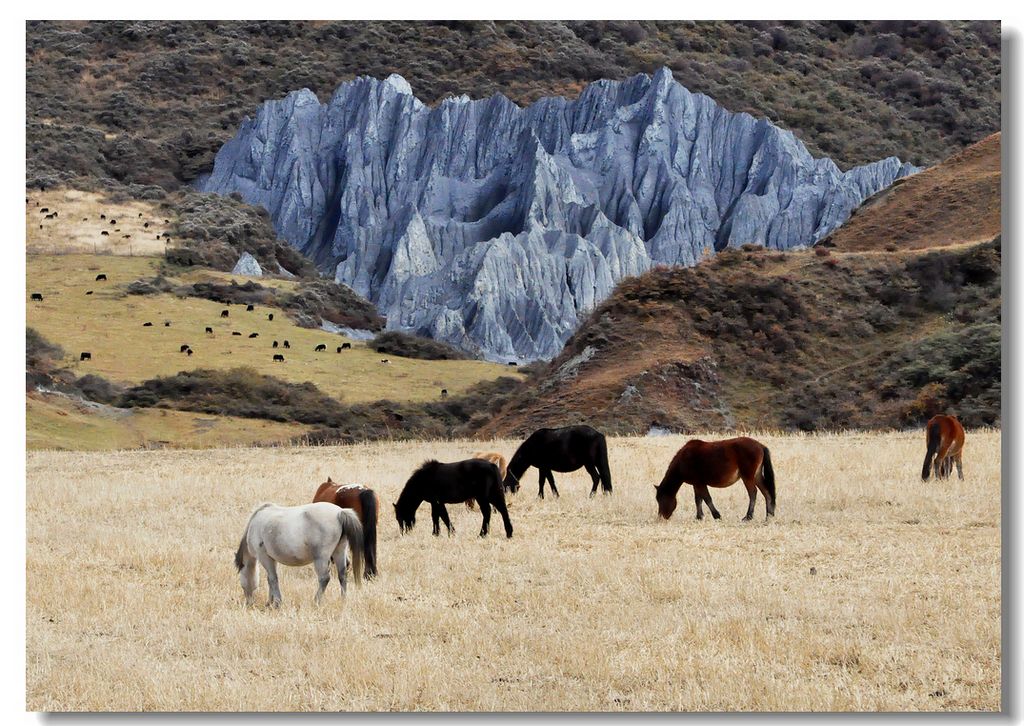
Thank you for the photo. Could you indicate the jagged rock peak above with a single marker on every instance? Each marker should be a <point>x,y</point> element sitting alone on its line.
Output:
<point>496,227</point>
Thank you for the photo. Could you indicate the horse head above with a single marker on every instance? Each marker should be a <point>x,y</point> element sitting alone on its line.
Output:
<point>406,521</point>
<point>666,502</point>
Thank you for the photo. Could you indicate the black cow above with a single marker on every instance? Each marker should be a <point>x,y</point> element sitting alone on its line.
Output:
<point>105,233</point>
<point>319,348</point>
<point>103,216</point>
<point>101,277</point>
<point>346,346</point>
<point>224,313</point>
<point>146,225</point>
<point>147,325</point>
<point>512,363</point>
<point>85,356</point>
<point>88,292</point>
<point>49,216</point>
<point>278,358</point>
<point>113,221</point>
<point>209,331</point>
<point>384,360</point>
<point>286,345</point>
<point>44,210</point>
<point>249,308</point>
<point>274,345</point>
<point>270,316</point>
<point>444,393</point>
<point>235,332</point>
<point>167,323</point>
<point>37,296</point>
<point>189,351</point>
<point>339,349</point>
<point>184,347</point>
<point>254,335</point>
<point>140,215</point>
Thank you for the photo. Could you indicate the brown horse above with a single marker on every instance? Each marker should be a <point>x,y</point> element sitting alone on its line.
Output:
<point>705,464</point>
<point>366,505</point>
<point>945,438</point>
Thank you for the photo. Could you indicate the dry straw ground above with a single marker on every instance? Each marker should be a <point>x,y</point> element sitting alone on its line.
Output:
<point>871,590</point>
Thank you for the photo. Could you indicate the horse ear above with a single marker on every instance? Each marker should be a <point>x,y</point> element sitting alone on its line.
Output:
<point>329,480</point>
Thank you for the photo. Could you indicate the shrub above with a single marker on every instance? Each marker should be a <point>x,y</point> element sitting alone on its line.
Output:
<point>405,345</point>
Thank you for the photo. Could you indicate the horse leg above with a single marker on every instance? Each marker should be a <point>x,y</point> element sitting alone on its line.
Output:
<point>322,565</point>
<point>960,467</point>
<point>711,504</point>
<point>699,499</point>
<point>592,470</point>
<point>485,509</point>
<point>551,483</point>
<point>435,514</point>
<point>769,503</point>
<point>752,493</point>
<point>443,510</point>
<point>498,501</point>
<point>271,567</point>
<point>541,492</point>
<point>340,558</point>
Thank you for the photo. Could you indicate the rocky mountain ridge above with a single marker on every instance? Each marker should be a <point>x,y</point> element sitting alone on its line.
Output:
<point>498,228</point>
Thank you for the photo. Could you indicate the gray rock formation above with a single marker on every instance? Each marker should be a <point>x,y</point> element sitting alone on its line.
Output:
<point>495,227</point>
<point>248,266</point>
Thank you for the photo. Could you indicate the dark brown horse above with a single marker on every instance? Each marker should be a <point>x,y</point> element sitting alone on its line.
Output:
<point>366,505</point>
<point>945,438</point>
<point>704,464</point>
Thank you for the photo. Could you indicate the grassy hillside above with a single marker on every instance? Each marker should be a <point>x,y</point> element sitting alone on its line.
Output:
<point>954,202</point>
<point>754,339</point>
<point>150,102</point>
<point>109,324</point>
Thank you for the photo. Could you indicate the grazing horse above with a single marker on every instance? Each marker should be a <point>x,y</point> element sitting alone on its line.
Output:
<point>37,296</point>
<point>705,464</point>
<point>101,277</point>
<point>442,484</point>
<point>278,358</point>
<point>565,449</point>
<point>364,502</point>
<point>295,536</point>
<point>209,331</point>
<point>945,438</point>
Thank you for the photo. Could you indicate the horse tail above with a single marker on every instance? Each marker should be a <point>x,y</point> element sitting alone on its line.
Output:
<point>934,433</point>
<point>241,549</point>
<point>352,530</point>
<point>368,500</point>
<point>602,464</point>
<point>768,473</point>
<point>240,552</point>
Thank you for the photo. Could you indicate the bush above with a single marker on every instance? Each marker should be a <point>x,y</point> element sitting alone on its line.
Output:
<point>396,343</point>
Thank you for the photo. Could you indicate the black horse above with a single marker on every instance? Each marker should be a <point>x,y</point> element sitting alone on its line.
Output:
<point>565,449</point>
<point>458,482</point>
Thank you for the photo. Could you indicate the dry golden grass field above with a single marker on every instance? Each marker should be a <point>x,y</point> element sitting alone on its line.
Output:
<point>869,591</point>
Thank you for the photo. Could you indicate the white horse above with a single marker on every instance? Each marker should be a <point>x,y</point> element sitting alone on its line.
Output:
<point>296,536</point>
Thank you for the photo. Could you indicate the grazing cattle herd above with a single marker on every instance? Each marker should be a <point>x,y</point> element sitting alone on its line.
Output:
<point>346,515</point>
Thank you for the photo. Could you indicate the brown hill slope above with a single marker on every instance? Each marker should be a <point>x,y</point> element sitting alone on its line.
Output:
<point>953,202</point>
<point>150,102</point>
<point>754,339</point>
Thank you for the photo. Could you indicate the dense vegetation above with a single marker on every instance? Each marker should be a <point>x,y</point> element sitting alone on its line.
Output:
<point>792,341</point>
<point>405,345</point>
<point>148,103</point>
<point>245,392</point>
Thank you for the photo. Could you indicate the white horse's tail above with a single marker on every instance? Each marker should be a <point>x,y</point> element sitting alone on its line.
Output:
<point>239,554</point>
<point>352,529</point>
